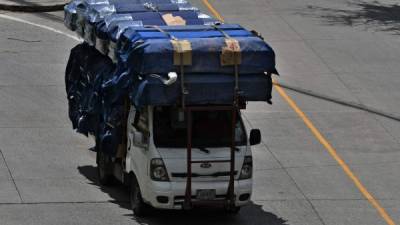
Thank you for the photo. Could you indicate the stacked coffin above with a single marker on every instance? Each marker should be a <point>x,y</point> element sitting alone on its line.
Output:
<point>157,52</point>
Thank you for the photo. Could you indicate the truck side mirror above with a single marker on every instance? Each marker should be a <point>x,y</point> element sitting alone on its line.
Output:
<point>255,137</point>
<point>140,139</point>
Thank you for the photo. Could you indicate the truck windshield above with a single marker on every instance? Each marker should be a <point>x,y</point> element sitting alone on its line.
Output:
<point>209,128</point>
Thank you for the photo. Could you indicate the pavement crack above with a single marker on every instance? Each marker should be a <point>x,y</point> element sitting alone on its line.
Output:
<point>395,139</point>
<point>22,40</point>
<point>9,52</point>
<point>11,176</point>
<point>64,202</point>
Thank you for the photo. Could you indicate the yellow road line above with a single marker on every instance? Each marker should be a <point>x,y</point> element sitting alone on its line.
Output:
<point>213,10</point>
<point>323,141</point>
<point>335,155</point>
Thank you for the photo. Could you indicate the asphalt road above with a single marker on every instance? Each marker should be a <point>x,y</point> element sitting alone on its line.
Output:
<point>339,48</point>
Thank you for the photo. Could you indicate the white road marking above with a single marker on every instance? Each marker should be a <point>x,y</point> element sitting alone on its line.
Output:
<point>39,25</point>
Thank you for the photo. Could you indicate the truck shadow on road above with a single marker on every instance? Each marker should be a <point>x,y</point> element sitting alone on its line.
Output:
<point>252,214</point>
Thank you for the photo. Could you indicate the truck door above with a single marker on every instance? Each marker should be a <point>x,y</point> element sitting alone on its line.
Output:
<point>138,142</point>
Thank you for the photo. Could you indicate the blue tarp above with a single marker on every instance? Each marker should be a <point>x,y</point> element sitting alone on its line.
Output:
<point>145,18</point>
<point>144,57</point>
<point>95,11</point>
<point>204,89</point>
<point>86,72</point>
<point>99,89</point>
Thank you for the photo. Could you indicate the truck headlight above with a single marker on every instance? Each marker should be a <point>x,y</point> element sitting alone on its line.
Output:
<point>247,168</point>
<point>158,172</point>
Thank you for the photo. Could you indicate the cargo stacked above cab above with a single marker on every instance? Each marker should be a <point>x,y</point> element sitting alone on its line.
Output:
<point>158,53</point>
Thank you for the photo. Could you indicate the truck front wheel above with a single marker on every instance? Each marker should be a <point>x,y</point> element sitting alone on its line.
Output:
<point>139,208</point>
<point>232,210</point>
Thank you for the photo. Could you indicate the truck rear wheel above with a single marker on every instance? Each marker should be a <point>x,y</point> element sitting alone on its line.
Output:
<point>104,169</point>
<point>139,208</point>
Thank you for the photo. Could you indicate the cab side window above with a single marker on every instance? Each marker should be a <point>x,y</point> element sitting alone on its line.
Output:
<point>141,124</point>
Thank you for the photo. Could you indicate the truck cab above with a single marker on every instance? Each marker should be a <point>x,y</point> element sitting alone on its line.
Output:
<point>156,158</point>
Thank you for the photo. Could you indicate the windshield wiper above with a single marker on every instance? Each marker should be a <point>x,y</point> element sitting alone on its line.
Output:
<point>204,150</point>
<point>208,151</point>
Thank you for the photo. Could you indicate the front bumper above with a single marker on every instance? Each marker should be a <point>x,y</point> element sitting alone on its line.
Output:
<point>175,192</point>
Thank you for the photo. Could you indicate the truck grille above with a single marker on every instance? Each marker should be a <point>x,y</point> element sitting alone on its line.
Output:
<point>217,174</point>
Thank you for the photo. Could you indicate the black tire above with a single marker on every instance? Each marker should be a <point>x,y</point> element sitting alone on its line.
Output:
<point>139,208</point>
<point>104,169</point>
<point>232,210</point>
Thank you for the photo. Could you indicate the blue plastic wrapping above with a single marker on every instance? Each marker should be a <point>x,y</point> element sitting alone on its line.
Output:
<point>85,7</point>
<point>144,58</point>
<point>140,50</point>
<point>104,27</point>
<point>81,15</point>
<point>209,89</point>
<point>147,18</point>
<point>89,113</point>
<point>97,91</point>
<point>134,55</point>
<point>112,31</point>
<point>70,14</point>
<point>84,76</point>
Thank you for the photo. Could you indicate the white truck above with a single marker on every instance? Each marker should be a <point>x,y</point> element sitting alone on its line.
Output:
<point>178,158</point>
<point>189,76</point>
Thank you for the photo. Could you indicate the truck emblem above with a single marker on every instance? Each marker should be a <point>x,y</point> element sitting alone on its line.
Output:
<point>205,165</point>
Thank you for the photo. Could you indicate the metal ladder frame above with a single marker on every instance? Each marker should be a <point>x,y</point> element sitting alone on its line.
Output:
<point>236,105</point>
<point>230,197</point>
